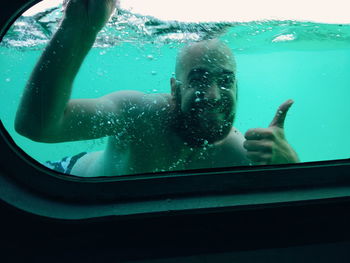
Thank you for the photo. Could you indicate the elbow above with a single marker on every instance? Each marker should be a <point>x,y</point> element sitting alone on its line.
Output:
<point>36,129</point>
<point>20,127</point>
<point>29,130</point>
<point>34,133</point>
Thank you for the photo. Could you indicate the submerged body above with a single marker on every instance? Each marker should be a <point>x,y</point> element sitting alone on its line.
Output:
<point>190,128</point>
<point>157,147</point>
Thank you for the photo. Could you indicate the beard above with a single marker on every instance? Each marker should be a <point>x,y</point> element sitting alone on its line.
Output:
<point>198,129</point>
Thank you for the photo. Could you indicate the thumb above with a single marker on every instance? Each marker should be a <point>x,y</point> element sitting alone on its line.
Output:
<point>278,120</point>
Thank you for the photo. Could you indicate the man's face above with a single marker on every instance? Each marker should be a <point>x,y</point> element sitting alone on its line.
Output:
<point>208,94</point>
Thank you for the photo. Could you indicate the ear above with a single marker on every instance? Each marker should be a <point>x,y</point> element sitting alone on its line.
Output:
<point>175,87</point>
<point>175,93</point>
<point>236,88</point>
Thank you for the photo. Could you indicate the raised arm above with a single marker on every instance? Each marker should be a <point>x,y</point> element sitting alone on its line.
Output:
<point>46,112</point>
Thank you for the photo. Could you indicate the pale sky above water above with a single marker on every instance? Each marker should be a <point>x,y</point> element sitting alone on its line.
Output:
<point>321,11</point>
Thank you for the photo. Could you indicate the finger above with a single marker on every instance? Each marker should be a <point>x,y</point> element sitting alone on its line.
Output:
<point>114,3</point>
<point>259,134</point>
<point>258,145</point>
<point>260,163</point>
<point>64,4</point>
<point>259,156</point>
<point>280,116</point>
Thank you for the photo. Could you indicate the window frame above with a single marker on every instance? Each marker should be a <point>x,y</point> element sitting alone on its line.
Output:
<point>48,193</point>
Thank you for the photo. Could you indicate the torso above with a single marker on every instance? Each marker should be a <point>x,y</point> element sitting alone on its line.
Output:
<point>158,148</point>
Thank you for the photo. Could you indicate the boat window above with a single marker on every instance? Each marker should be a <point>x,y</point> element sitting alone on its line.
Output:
<point>227,85</point>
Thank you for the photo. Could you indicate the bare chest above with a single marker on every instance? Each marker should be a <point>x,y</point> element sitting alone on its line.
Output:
<point>165,155</point>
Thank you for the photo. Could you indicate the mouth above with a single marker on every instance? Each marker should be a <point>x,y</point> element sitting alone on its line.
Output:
<point>213,108</point>
<point>214,114</point>
<point>218,108</point>
<point>213,111</point>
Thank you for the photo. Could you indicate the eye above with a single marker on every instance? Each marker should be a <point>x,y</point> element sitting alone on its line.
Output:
<point>225,82</point>
<point>224,88</point>
<point>197,83</point>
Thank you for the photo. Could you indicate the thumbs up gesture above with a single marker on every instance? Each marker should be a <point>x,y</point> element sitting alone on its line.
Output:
<point>268,145</point>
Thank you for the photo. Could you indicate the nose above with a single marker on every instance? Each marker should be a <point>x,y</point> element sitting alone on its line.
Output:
<point>212,92</point>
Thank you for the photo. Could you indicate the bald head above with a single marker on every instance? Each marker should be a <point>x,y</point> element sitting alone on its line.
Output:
<point>211,53</point>
<point>205,94</point>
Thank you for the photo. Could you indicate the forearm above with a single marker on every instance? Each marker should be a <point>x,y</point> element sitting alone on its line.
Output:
<point>49,88</point>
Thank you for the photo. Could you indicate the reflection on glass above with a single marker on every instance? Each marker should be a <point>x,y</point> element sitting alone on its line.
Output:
<point>228,103</point>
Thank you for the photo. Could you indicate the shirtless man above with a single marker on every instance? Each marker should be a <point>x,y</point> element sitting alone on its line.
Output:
<point>190,128</point>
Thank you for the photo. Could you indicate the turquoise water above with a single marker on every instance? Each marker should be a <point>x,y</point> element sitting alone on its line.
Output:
<point>276,60</point>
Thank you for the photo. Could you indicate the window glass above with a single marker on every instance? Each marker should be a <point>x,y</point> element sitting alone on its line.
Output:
<point>203,80</point>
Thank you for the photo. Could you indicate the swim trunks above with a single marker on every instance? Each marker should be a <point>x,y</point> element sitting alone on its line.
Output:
<point>66,164</point>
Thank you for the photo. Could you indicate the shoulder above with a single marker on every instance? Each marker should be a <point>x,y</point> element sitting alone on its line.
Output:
<point>137,98</point>
<point>124,96</point>
<point>153,106</point>
<point>142,112</point>
<point>235,137</point>
<point>156,100</point>
<point>231,148</point>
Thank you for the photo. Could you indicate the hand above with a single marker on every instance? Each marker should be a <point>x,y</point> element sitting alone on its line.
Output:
<point>268,145</point>
<point>90,14</point>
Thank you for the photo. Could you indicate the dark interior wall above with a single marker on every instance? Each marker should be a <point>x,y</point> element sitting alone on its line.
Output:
<point>306,233</point>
